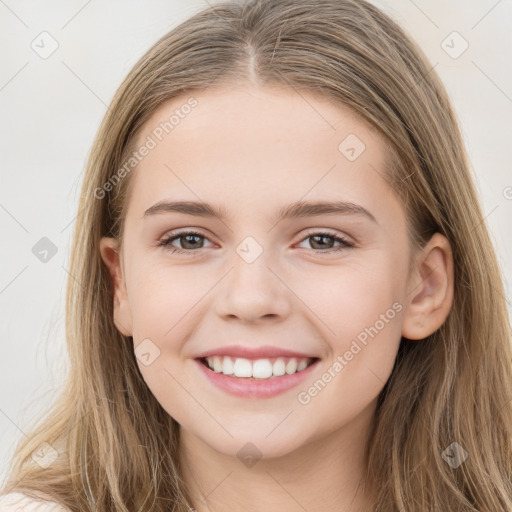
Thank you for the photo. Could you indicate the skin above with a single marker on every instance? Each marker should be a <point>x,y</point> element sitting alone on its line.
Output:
<point>252,151</point>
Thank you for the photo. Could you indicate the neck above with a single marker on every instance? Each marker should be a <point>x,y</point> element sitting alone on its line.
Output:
<point>325,474</point>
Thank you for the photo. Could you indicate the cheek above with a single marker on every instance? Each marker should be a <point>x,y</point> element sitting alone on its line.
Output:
<point>353,296</point>
<point>361,323</point>
<point>363,334</point>
<point>164,298</point>
<point>165,303</point>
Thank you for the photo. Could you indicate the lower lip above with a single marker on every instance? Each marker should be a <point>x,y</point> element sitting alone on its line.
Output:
<point>255,388</point>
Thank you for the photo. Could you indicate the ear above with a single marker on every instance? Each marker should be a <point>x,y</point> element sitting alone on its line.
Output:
<point>430,289</point>
<point>122,312</point>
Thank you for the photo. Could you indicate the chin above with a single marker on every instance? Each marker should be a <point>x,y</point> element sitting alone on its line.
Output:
<point>253,444</point>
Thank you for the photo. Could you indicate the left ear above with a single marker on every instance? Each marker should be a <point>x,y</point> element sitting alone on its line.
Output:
<point>430,290</point>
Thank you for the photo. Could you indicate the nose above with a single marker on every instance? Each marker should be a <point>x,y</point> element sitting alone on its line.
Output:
<point>254,291</point>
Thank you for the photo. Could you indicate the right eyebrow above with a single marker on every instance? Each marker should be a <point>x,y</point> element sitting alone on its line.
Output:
<point>293,210</point>
<point>197,208</point>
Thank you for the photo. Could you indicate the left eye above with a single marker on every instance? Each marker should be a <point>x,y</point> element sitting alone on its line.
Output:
<point>190,238</point>
<point>319,239</point>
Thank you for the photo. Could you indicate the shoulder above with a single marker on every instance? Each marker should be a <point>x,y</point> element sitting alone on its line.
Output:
<point>18,502</point>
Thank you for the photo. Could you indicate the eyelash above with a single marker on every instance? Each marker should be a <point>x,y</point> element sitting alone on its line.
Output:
<point>174,236</point>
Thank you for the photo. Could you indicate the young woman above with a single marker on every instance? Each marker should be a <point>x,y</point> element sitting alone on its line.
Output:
<point>284,296</point>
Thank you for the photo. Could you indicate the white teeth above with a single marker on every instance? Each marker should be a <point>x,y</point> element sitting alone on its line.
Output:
<point>217,364</point>
<point>262,369</point>
<point>291,366</point>
<point>242,368</point>
<point>302,365</point>
<point>228,367</point>
<point>279,367</point>
<point>259,368</point>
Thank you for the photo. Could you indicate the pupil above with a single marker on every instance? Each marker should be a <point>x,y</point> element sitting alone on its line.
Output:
<point>322,239</point>
<point>188,237</point>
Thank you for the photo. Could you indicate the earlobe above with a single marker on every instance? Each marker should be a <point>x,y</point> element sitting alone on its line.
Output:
<point>430,290</point>
<point>122,313</point>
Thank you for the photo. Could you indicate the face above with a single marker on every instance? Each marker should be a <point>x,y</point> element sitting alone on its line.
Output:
<point>327,286</point>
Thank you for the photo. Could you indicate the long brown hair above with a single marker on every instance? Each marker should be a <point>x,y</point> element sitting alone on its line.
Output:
<point>117,448</point>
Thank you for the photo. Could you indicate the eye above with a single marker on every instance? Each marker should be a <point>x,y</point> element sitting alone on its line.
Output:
<point>322,241</point>
<point>190,242</point>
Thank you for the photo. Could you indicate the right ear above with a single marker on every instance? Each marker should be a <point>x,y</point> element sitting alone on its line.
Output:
<point>122,313</point>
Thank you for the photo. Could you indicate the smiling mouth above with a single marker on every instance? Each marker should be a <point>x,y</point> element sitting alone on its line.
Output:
<point>257,369</point>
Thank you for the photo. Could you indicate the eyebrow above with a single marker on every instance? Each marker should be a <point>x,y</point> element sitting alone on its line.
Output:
<point>294,210</point>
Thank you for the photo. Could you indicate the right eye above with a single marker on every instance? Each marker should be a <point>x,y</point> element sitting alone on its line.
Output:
<point>187,237</point>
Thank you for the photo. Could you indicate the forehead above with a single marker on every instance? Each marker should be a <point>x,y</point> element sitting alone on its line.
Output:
<point>257,146</point>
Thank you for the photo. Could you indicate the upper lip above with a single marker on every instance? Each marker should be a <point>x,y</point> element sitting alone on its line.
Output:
<point>262,352</point>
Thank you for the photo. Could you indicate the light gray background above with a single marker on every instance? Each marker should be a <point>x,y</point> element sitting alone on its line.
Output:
<point>51,108</point>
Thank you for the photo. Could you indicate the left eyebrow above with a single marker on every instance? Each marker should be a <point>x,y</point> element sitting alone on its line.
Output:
<point>293,210</point>
<point>310,209</point>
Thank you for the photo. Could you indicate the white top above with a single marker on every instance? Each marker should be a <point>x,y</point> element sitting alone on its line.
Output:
<point>18,502</point>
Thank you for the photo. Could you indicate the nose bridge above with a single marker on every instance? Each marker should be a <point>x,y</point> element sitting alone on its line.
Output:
<point>252,289</point>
